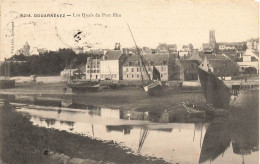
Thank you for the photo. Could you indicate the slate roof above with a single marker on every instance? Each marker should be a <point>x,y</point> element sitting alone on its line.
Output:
<point>214,57</point>
<point>189,64</point>
<point>155,60</point>
<point>113,55</point>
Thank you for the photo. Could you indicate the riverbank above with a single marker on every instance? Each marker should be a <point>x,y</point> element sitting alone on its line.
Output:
<point>21,142</point>
<point>123,98</point>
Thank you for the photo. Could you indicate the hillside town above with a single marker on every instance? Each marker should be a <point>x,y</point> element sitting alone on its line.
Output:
<point>226,60</point>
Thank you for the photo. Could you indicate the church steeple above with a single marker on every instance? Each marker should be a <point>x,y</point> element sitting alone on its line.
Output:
<point>26,49</point>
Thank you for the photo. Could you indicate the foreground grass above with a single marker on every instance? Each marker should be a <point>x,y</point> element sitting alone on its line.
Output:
<point>21,142</point>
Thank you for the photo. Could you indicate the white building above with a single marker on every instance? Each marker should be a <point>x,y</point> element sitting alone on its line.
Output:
<point>249,62</point>
<point>111,65</point>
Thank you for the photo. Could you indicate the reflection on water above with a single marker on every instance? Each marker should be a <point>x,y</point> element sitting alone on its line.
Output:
<point>157,134</point>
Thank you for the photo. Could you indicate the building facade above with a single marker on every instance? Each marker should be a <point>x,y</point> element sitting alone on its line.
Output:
<point>221,66</point>
<point>111,65</point>
<point>249,62</point>
<point>93,69</point>
<point>133,69</point>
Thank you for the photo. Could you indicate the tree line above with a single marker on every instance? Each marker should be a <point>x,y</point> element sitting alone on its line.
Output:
<point>49,63</point>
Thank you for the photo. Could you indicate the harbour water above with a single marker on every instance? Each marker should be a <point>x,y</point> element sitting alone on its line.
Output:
<point>160,134</point>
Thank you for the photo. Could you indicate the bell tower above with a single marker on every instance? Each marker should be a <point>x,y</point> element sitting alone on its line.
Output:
<point>212,39</point>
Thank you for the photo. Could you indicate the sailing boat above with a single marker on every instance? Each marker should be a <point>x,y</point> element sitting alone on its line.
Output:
<point>7,82</point>
<point>84,86</point>
<point>154,86</point>
<point>215,91</point>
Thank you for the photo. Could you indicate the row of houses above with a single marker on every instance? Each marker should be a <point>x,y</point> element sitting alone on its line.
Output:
<point>122,65</point>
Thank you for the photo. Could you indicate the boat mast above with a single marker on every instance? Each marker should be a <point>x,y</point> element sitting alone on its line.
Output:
<point>111,81</point>
<point>138,53</point>
<point>90,66</point>
<point>5,64</point>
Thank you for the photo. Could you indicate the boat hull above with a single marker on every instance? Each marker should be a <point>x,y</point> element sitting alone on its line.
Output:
<point>83,88</point>
<point>154,89</point>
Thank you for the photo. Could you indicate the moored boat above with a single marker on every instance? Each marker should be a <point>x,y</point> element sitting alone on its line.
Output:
<point>154,86</point>
<point>84,87</point>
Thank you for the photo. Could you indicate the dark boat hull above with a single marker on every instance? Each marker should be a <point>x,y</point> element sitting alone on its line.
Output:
<point>154,88</point>
<point>5,84</point>
<point>84,88</point>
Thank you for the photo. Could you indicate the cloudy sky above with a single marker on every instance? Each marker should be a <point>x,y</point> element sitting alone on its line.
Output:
<point>151,22</point>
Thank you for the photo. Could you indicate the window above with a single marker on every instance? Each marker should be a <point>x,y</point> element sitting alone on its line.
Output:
<point>137,69</point>
<point>88,71</point>
<point>127,75</point>
<point>132,69</point>
<point>137,75</point>
<point>161,75</point>
<point>98,71</point>
<point>132,75</point>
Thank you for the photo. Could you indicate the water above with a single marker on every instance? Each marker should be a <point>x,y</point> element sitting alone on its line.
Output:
<point>155,134</point>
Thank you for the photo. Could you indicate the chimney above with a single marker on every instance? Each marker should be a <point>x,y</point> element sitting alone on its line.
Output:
<point>104,53</point>
<point>126,51</point>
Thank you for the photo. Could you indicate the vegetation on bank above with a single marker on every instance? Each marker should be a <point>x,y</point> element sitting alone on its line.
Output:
<point>21,142</point>
<point>49,63</point>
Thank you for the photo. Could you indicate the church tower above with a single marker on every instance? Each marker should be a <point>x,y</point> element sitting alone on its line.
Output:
<point>26,49</point>
<point>212,39</point>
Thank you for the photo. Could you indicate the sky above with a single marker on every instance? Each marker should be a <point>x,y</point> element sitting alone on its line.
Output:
<point>152,22</point>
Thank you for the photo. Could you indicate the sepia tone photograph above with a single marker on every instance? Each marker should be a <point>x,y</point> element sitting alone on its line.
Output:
<point>129,82</point>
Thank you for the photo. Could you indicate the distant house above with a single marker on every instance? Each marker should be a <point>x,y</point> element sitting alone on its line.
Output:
<point>222,46</point>
<point>194,55</point>
<point>172,47</point>
<point>253,44</point>
<point>93,69</point>
<point>68,74</point>
<point>184,54</point>
<point>249,62</point>
<point>163,63</point>
<point>42,50</point>
<point>78,50</point>
<point>220,65</point>
<point>185,48</point>
<point>189,70</point>
<point>111,65</point>
<point>163,47</point>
